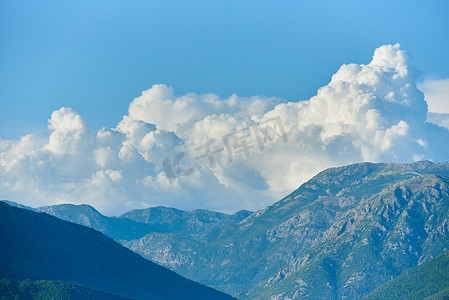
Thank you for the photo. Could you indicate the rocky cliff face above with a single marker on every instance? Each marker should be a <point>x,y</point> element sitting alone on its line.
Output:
<point>367,243</point>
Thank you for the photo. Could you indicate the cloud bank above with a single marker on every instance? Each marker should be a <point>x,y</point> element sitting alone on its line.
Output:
<point>200,151</point>
<point>437,96</point>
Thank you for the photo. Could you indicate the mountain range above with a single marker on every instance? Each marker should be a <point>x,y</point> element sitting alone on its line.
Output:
<point>342,234</point>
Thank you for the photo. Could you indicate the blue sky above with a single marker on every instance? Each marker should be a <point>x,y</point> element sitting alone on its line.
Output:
<point>96,56</point>
<point>96,97</point>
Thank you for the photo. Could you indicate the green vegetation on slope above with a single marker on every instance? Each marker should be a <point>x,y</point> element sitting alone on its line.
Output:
<point>50,289</point>
<point>427,281</point>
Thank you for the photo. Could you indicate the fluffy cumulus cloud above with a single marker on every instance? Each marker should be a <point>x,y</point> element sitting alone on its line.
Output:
<point>200,151</point>
<point>437,96</point>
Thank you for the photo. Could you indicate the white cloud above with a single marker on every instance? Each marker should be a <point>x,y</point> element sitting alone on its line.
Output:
<point>437,95</point>
<point>70,133</point>
<point>438,119</point>
<point>370,112</point>
<point>161,107</point>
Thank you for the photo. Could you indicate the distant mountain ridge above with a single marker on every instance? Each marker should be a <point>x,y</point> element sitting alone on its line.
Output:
<point>343,233</point>
<point>115,228</point>
<point>38,246</point>
<point>184,222</point>
<point>137,223</point>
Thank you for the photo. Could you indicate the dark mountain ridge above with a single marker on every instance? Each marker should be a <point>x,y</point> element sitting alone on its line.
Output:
<point>39,246</point>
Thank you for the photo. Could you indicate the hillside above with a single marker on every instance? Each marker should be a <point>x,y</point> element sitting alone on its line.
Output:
<point>38,246</point>
<point>49,289</point>
<point>427,281</point>
<point>359,226</point>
